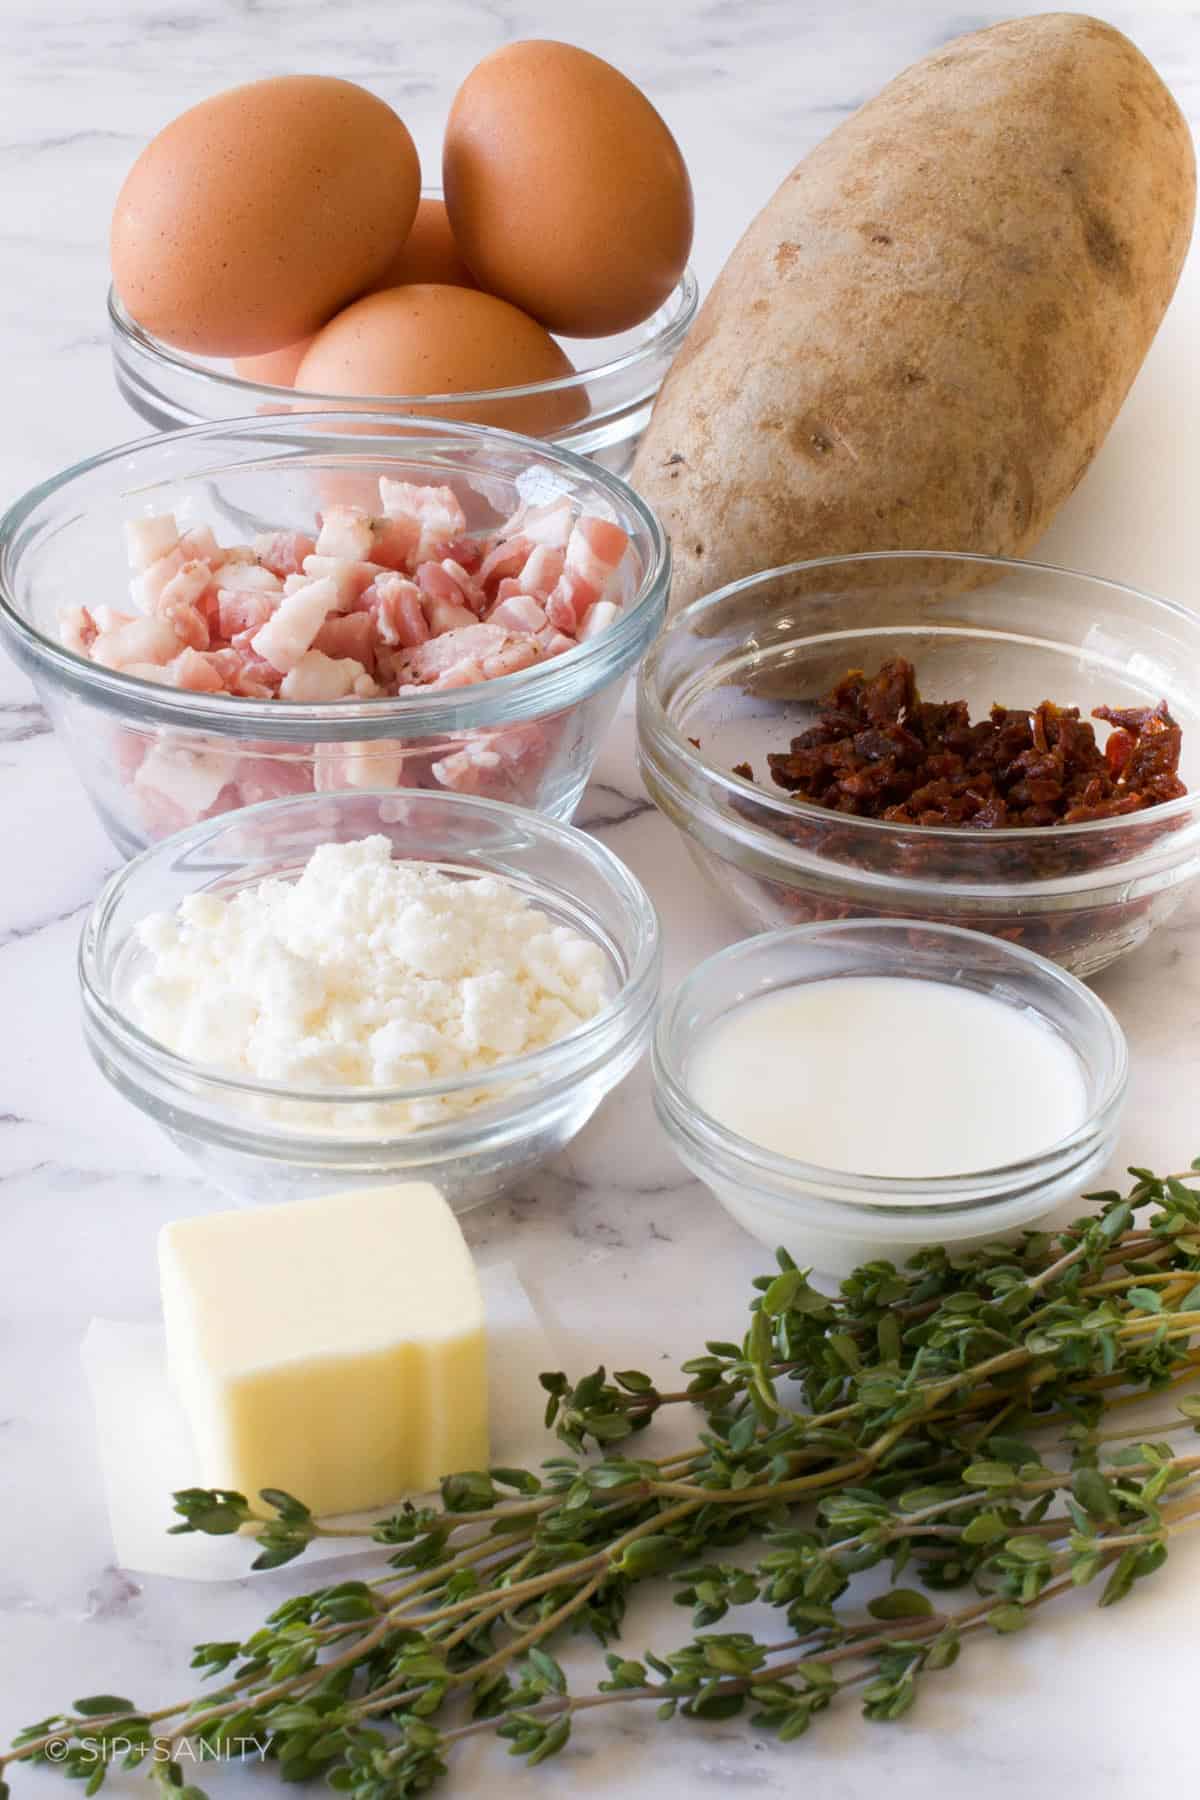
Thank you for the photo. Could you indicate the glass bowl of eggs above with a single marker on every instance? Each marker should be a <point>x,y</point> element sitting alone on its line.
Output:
<point>598,407</point>
<point>273,248</point>
<point>237,612</point>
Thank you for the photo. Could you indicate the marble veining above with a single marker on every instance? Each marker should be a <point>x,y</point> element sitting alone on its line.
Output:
<point>626,1258</point>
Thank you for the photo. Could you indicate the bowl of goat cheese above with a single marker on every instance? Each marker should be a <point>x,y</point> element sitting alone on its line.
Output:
<point>370,986</point>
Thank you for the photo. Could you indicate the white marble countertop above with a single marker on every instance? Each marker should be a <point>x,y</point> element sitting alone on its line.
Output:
<point>625,1257</point>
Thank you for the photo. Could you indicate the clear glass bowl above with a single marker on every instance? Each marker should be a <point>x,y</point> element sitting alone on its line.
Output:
<point>834,1221</point>
<point>739,673</point>
<point>263,1140</point>
<point>156,759</point>
<point>617,382</point>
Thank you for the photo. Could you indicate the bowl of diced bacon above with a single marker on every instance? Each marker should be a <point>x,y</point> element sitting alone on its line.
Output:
<point>223,615</point>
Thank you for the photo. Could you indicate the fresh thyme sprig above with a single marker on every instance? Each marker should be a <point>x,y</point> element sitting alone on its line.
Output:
<point>951,1420</point>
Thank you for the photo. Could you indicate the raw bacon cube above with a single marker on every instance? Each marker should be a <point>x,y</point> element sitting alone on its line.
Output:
<point>250,578</point>
<point>519,613</point>
<point>146,588</point>
<point>147,540</point>
<point>346,533</point>
<point>348,635</point>
<point>394,542</point>
<point>238,612</point>
<point>77,630</point>
<point>369,763</point>
<point>436,510</point>
<point>197,673</point>
<point>283,552</point>
<point>399,616</point>
<point>542,571</point>
<point>290,630</point>
<point>447,615</point>
<point>319,677</point>
<point>199,544</point>
<point>138,641</point>
<point>351,579</point>
<point>598,618</point>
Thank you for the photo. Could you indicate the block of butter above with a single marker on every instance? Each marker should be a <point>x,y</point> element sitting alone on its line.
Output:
<point>331,1347</point>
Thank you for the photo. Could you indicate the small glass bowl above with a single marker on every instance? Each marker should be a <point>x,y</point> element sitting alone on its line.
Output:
<point>156,759</point>
<point>616,384</point>
<point>834,1221</point>
<point>738,674</point>
<point>265,1140</point>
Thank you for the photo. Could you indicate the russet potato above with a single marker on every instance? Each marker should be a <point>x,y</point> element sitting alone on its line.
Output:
<point>923,338</point>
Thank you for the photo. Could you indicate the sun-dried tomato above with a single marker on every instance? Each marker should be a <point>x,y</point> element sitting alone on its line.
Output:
<point>878,751</point>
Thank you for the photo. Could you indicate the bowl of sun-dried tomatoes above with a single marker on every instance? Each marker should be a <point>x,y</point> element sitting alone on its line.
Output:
<point>957,739</point>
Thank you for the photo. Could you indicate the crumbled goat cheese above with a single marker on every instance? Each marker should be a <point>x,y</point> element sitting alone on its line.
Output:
<point>365,972</point>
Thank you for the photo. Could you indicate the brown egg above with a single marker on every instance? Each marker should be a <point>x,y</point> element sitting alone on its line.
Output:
<point>274,368</point>
<point>429,254</point>
<point>566,192</point>
<point>250,219</point>
<point>430,339</point>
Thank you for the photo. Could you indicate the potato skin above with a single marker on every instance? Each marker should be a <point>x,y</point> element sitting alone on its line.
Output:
<point>924,337</point>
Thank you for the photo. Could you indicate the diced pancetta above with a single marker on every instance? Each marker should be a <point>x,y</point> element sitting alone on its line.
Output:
<point>446,615</point>
<point>448,580</point>
<point>553,642</point>
<point>290,630</point>
<point>146,588</point>
<point>520,612</point>
<point>452,649</point>
<point>467,673</point>
<point>238,612</point>
<point>519,653</point>
<point>399,616</point>
<point>346,534</point>
<point>246,674</point>
<point>319,677</point>
<point>348,635</point>
<point>467,551</point>
<point>183,602</point>
<point>273,777</point>
<point>437,510</point>
<point>77,630</point>
<point>362,763</point>
<point>394,542</point>
<point>469,771</point>
<point>595,551</point>
<point>506,558</point>
<point>197,673</point>
<point>199,544</point>
<point>398,603</point>
<point>598,618</point>
<point>541,572</point>
<point>351,579</point>
<point>108,618</point>
<point>139,641</point>
<point>283,552</point>
<point>147,540</point>
<point>191,779</point>
<point>550,524</point>
<point>250,578</point>
<point>192,580</point>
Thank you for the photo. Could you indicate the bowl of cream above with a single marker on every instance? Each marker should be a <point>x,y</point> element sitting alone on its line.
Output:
<point>862,1089</point>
